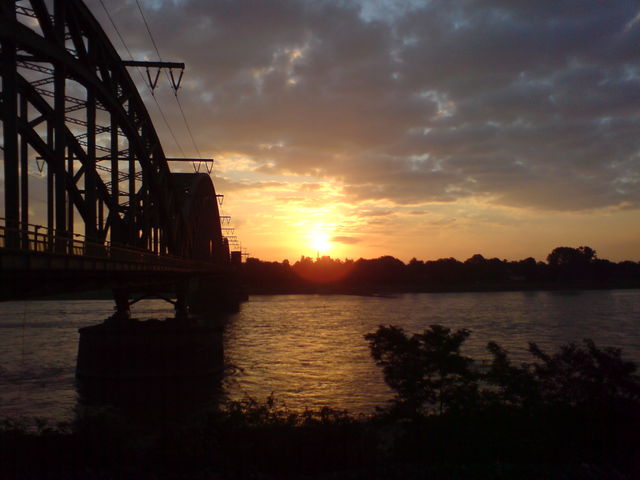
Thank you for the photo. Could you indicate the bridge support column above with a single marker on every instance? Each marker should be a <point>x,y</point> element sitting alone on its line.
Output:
<point>123,311</point>
<point>181,305</point>
<point>150,370</point>
<point>10,135</point>
<point>216,295</point>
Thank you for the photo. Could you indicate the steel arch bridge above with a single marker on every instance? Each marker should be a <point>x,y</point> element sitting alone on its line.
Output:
<point>112,212</point>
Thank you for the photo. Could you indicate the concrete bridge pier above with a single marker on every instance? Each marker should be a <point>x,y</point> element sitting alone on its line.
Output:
<point>122,308</point>
<point>214,294</point>
<point>139,366</point>
<point>150,368</point>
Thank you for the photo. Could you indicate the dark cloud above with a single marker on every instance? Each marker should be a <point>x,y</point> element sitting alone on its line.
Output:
<point>345,240</point>
<point>528,104</point>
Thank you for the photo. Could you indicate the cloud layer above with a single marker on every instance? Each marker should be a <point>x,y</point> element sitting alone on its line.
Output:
<point>527,104</point>
<point>411,127</point>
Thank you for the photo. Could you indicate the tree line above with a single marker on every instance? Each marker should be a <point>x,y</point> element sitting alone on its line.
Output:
<point>565,267</point>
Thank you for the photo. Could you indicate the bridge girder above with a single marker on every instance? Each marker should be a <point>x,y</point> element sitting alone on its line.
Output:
<point>67,95</point>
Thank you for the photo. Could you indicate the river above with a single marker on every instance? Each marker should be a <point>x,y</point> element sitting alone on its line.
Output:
<point>308,350</point>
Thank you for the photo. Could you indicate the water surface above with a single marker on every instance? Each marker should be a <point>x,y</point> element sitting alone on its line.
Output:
<point>309,350</point>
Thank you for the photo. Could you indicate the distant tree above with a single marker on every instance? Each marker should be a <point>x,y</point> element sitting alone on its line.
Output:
<point>267,276</point>
<point>527,269</point>
<point>568,256</point>
<point>385,271</point>
<point>628,270</point>
<point>566,266</point>
<point>476,259</point>
<point>572,263</point>
<point>445,271</point>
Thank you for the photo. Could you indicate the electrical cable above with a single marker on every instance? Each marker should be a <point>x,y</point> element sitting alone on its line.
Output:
<point>187,125</point>
<point>164,118</point>
<point>148,29</point>
<point>155,46</point>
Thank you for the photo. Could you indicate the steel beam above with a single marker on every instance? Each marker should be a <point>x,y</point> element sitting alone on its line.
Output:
<point>24,175</point>
<point>10,138</point>
<point>190,160</point>
<point>137,63</point>
<point>90,180</point>
<point>50,188</point>
<point>60,147</point>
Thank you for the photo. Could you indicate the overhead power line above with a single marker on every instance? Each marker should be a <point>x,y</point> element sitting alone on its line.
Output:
<point>124,44</point>
<point>175,87</point>
<point>144,19</point>
<point>187,125</point>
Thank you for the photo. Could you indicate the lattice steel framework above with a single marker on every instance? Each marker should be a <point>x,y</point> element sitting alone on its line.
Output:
<point>68,101</point>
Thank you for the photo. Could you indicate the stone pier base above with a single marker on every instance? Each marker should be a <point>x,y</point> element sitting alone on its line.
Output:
<point>143,366</point>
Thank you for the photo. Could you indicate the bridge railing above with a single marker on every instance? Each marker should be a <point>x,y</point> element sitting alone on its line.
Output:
<point>40,239</point>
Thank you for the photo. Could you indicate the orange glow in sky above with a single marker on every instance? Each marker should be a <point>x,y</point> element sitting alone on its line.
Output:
<point>370,128</point>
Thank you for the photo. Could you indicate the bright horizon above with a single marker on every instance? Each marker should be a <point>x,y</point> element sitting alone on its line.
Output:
<point>410,129</point>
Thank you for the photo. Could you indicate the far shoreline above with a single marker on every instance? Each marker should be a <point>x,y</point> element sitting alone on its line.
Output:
<point>384,292</point>
<point>378,292</point>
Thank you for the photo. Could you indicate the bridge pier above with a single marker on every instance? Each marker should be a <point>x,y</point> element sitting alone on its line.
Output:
<point>123,310</point>
<point>181,305</point>
<point>208,294</point>
<point>130,363</point>
<point>148,229</point>
<point>150,368</point>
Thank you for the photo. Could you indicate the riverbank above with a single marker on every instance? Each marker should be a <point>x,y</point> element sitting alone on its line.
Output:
<point>383,290</point>
<point>574,413</point>
<point>261,440</point>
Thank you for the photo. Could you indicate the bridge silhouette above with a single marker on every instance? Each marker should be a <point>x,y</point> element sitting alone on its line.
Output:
<point>114,215</point>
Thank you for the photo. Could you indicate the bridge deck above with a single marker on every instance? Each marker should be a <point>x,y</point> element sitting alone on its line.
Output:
<point>34,261</point>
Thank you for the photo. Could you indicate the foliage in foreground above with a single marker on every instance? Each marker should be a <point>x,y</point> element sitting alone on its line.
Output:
<point>430,375</point>
<point>579,404</point>
<point>571,414</point>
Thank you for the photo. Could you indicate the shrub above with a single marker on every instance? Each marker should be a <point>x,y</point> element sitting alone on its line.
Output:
<point>426,370</point>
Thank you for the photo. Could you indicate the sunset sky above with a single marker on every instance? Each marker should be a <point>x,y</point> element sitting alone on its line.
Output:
<point>425,129</point>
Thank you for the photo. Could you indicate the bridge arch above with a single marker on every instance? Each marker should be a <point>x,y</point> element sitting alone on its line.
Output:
<point>69,101</point>
<point>200,232</point>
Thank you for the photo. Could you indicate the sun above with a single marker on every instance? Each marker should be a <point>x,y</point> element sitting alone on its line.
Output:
<point>320,242</point>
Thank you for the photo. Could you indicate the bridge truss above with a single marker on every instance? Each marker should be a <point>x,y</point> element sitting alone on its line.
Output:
<point>75,129</point>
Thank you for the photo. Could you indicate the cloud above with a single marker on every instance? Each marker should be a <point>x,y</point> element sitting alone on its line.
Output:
<point>373,212</point>
<point>224,184</point>
<point>345,240</point>
<point>525,104</point>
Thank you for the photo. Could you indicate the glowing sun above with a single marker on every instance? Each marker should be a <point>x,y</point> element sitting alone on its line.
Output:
<point>320,241</point>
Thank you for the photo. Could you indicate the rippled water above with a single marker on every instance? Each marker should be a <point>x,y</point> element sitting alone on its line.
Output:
<point>308,350</point>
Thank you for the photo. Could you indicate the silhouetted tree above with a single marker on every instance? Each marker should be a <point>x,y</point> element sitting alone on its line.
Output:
<point>426,370</point>
<point>429,373</point>
<point>567,266</point>
<point>445,271</point>
<point>510,385</point>
<point>586,376</point>
<point>568,256</point>
<point>571,263</point>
